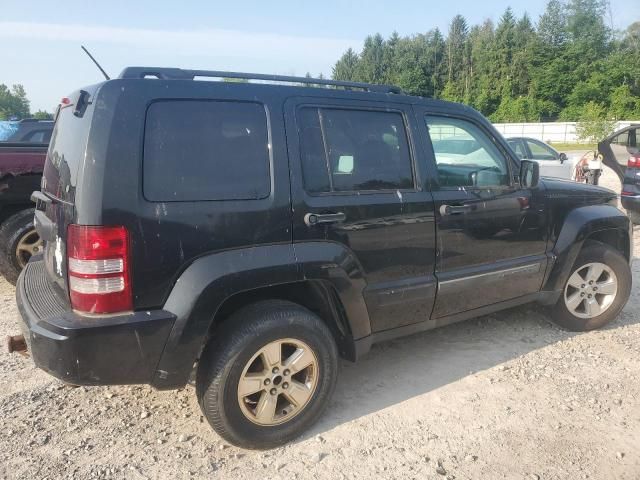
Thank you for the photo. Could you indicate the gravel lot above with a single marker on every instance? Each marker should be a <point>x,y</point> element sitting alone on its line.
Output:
<point>504,396</point>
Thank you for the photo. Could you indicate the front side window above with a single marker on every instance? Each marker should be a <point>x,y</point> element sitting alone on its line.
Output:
<point>539,151</point>
<point>206,150</point>
<point>465,156</point>
<point>353,150</point>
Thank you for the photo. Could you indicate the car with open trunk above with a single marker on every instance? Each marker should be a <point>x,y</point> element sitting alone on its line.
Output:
<point>247,235</point>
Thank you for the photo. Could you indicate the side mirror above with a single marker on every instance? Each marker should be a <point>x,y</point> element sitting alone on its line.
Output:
<point>529,173</point>
<point>563,157</point>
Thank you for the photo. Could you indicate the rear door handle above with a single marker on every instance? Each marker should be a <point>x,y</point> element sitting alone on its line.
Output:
<point>317,218</point>
<point>455,209</point>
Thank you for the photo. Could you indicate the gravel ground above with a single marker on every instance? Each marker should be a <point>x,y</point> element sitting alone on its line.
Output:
<point>503,396</point>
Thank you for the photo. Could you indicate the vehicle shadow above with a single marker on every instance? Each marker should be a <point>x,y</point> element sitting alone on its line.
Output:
<point>398,370</point>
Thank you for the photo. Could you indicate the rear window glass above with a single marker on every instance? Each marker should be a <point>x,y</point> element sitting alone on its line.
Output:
<point>353,150</point>
<point>206,150</point>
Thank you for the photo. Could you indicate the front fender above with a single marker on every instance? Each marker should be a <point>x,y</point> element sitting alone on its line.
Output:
<point>580,224</point>
<point>210,280</point>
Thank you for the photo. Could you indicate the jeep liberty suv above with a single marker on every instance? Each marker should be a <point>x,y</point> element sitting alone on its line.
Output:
<point>251,234</point>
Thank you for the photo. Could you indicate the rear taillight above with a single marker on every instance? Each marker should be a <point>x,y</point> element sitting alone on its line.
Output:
<point>634,161</point>
<point>98,267</point>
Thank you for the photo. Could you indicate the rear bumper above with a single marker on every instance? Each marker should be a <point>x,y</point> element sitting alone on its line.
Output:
<point>83,350</point>
<point>631,203</point>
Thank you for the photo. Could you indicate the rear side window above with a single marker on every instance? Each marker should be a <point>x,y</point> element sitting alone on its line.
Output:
<point>206,150</point>
<point>353,150</point>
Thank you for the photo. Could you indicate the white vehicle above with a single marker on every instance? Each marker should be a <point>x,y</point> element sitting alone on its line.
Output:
<point>552,163</point>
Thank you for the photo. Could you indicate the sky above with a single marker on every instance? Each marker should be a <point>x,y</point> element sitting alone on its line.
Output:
<point>40,39</point>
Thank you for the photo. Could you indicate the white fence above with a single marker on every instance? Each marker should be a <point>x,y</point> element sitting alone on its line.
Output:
<point>554,132</point>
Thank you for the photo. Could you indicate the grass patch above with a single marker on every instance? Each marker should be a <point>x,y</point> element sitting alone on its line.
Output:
<point>574,146</point>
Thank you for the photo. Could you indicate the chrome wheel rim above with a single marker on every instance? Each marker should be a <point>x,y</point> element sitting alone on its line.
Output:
<point>278,382</point>
<point>28,245</point>
<point>591,290</point>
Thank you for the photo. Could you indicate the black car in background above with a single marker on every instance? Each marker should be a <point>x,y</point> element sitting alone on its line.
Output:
<point>621,153</point>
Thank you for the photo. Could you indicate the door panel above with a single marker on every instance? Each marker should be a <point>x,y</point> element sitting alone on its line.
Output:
<point>355,181</point>
<point>490,232</point>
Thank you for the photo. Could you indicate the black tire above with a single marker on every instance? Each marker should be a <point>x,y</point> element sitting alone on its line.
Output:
<point>12,230</point>
<point>233,346</point>
<point>602,253</point>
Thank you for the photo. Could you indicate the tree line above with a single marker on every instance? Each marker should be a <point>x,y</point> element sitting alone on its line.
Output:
<point>14,104</point>
<point>569,65</point>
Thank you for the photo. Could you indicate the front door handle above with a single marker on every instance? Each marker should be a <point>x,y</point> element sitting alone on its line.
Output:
<point>455,209</point>
<point>317,218</point>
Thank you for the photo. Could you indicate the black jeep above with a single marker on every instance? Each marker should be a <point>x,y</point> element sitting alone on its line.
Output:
<point>250,234</point>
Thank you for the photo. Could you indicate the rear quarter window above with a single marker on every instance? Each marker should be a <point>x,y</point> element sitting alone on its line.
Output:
<point>206,150</point>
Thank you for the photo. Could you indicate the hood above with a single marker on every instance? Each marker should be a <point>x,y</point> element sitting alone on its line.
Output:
<point>577,193</point>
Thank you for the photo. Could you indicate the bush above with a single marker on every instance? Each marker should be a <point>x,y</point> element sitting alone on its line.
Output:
<point>593,125</point>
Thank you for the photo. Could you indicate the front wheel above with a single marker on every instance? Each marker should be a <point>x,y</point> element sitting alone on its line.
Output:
<point>267,375</point>
<point>596,291</point>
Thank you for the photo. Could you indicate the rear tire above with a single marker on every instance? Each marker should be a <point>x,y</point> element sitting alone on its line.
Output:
<point>264,347</point>
<point>18,242</point>
<point>590,299</point>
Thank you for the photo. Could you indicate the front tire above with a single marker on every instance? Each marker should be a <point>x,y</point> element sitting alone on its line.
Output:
<point>267,374</point>
<point>18,242</point>
<point>596,291</point>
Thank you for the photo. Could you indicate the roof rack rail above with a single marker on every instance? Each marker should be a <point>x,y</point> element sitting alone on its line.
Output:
<point>180,74</point>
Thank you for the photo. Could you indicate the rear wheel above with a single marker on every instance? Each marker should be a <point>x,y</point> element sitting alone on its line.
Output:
<point>267,375</point>
<point>19,241</point>
<point>596,291</point>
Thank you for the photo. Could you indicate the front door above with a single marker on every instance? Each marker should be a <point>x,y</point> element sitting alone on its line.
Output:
<point>356,182</point>
<point>490,231</point>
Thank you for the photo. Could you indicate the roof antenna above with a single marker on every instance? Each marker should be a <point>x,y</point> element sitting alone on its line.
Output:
<point>96,62</point>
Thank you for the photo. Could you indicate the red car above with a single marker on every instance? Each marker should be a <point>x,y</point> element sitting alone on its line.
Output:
<point>22,155</point>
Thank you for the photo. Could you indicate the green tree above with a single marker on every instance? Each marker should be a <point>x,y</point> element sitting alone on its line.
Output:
<point>593,125</point>
<point>13,102</point>
<point>346,67</point>
<point>42,115</point>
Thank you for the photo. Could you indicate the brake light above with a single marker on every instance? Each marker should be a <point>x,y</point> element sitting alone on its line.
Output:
<point>634,161</point>
<point>98,266</point>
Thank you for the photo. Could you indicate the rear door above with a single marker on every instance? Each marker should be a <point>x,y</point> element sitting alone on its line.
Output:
<point>620,152</point>
<point>357,181</point>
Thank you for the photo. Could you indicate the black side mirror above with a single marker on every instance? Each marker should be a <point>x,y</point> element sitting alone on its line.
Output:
<point>529,173</point>
<point>563,157</point>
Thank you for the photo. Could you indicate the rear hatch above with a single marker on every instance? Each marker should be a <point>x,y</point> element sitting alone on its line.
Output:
<point>55,204</point>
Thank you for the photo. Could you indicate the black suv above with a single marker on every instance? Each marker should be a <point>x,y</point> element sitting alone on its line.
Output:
<point>250,234</point>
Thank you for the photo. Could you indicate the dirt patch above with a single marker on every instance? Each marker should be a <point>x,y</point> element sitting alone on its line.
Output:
<point>504,396</point>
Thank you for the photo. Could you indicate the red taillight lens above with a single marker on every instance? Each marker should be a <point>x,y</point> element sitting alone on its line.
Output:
<point>634,161</point>
<point>98,266</point>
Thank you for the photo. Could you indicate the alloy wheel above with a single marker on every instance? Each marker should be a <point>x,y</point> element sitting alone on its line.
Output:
<point>278,382</point>
<point>591,290</point>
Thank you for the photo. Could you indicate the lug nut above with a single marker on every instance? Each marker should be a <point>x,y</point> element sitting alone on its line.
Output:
<point>273,391</point>
<point>582,294</point>
<point>589,296</point>
<point>286,372</point>
<point>285,385</point>
<point>595,288</point>
<point>275,370</point>
<point>267,381</point>
<point>583,285</point>
<point>590,282</point>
